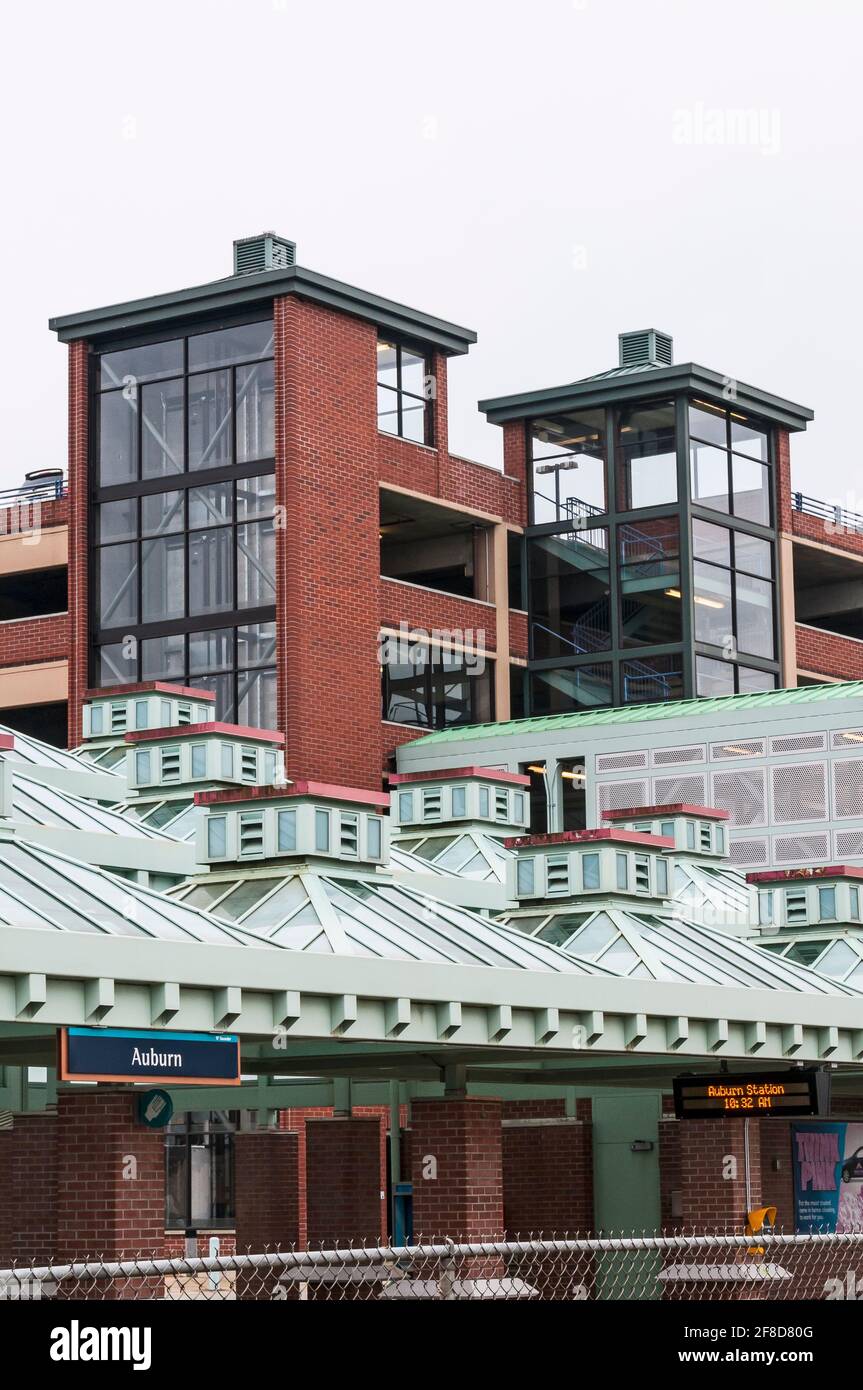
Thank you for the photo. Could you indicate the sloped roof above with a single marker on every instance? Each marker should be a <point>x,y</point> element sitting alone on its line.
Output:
<point>461,854</point>
<point>642,714</point>
<point>39,804</point>
<point>371,916</point>
<point>838,957</point>
<point>660,946</point>
<point>43,889</point>
<point>33,750</point>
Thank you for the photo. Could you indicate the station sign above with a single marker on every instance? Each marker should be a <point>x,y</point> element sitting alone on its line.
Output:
<point>129,1054</point>
<point>787,1094</point>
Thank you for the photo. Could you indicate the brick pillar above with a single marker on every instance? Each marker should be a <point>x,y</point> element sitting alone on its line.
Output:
<point>28,1190</point>
<point>457,1169</point>
<point>547,1177</point>
<point>110,1180</point>
<point>345,1180</point>
<point>713,1173</point>
<point>79,548</point>
<point>266,1203</point>
<point>328,562</point>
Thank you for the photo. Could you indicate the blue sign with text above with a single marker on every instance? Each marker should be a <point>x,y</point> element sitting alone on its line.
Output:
<point>125,1054</point>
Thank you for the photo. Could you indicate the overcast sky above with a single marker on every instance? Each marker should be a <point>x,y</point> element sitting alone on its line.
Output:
<point>547,173</point>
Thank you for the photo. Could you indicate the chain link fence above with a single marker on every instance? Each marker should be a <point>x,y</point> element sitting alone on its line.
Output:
<point>709,1266</point>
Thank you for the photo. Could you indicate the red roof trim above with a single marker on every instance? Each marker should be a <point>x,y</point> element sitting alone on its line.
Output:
<point>800,875</point>
<point>451,774</point>
<point>8,741</point>
<point>679,808</point>
<point>325,791</point>
<point>188,692</point>
<point>201,730</point>
<point>581,837</point>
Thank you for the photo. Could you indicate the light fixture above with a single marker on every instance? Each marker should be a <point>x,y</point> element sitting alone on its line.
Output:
<point>574,776</point>
<point>673,593</point>
<point>853,738</point>
<point>708,602</point>
<point>735,749</point>
<point>535,767</point>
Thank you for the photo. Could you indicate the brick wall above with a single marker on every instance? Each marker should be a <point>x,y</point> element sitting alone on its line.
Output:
<point>28,1189</point>
<point>815,528</point>
<point>78,537</point>
<point>828,654</point>
<point>457,1168</point>
<point>428,608</point>
<point>328,555</point>
<point>547,1176</point>
<point>266,1190</point>
<point>712,1171</point>
<point>346,1180</point>
<point>36,639</point>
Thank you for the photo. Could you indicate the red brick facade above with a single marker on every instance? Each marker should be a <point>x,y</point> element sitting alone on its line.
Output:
<point>547,1176</point>
<point>457,1169</point>
<point>266,1190</point>
<point>346,1180</point>
<point>828,654</point>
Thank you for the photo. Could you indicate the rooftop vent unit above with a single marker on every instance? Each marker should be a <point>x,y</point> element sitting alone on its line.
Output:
<point>265,252</point>
<point>647,347</point>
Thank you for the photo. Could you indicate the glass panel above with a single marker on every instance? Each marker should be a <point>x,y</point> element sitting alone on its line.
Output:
<point>163,658</point>
<point>751,490</point>
<point>222,687</point>
<point>755,616</point>
<point>570,587</point>
<point>753,555</point>
<point>162,429</point>
<point>211,651</point>
<point>405,693</point>
<point>413,419</point>
<point>257,699</point>
<point>749,437</point>
<point>118,663</point>
<point>210,425</point>
<point>711,542</point>
<point>163,587</point>
<point>211,578</point>
<point>566,688</point>
<point>118,521</point>
<point>255,413</point>
<point>118,585</point>
<point>413,372</point>
<point>388,410</point>
<point>388,364</point>
<point>713,677</point>
<point>749,680</point>
<point>712,598</point>
<point>142,363</point>
<point>708,423</point>
<point>709,476</point>
<point>256,497</point>
<point>256,547</point>
<point>256,645</point>
<point>211,506</point>
<point>118,439</point>
<point>162,512</point>
<point>647,456</point>
<point>568,465</point>
<point>650,598</point>
<point>652,679</point>
<point>226,345</point>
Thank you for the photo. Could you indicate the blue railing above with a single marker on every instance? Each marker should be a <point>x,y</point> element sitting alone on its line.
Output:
<point>839,517</point>
<point>35,490</point>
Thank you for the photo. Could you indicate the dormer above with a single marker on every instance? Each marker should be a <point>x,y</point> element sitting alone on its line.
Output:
<point>699,831</point>
<point>109,714</point>
<point>820,898</point>
<point>613,863</point>
<point>302,822</point>
<point>196,756</point>
<point>458,797</point>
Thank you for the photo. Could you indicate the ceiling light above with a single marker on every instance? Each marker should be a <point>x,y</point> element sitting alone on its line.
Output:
<point>534,767</point>
<point>672,593</point>
<point>709,602</point>
<point>740,752</point>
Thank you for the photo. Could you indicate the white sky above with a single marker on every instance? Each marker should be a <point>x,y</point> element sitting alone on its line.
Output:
<point>548,174</point>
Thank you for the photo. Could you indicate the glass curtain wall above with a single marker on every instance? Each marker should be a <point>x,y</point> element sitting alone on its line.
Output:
<point>183,569</point>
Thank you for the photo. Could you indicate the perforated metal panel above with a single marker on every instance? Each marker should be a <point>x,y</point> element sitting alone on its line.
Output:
<point>749,853</point>
<point>848,738</point>
<point>737,748</point>
<point>689,788</point>
<point>848,787</point>
<point>616,796</point>
<point>798,743</point>
<point>849,844</point>
<point>800,849</point>
<point>799,791</point>
<point>672,757</point>
<point>742,794</point>
<point>620,762</point>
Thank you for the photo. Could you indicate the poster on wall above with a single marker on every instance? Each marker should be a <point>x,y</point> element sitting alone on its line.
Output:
<point>828,1176</point>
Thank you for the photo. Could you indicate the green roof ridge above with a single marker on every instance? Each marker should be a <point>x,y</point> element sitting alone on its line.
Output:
<point>666,709</point>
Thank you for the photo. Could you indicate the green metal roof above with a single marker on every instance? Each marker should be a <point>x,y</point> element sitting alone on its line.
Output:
<point>642,714</point>
<point>643,380</point>
<point>238,292</point>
